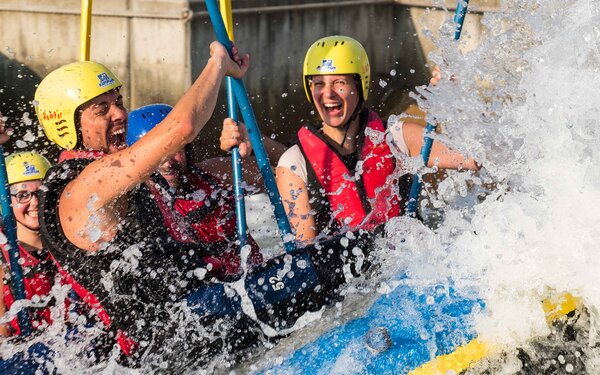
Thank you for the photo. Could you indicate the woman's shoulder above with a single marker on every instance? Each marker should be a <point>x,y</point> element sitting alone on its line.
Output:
<point>293,160</point>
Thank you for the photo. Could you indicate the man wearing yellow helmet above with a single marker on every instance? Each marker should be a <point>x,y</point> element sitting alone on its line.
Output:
<point>338,175</point>
<point>25,173</point>
<point>99,220</point>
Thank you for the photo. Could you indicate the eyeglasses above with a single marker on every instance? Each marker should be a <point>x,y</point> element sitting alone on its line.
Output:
<point>25,196</point>
<point>337,85</point>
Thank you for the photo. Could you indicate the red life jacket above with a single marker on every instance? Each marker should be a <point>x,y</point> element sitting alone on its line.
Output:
<point>206,215</point>
<point>362,198</point>
<point>80,154</point>
<point>39,275</point>
<point>127,345</point>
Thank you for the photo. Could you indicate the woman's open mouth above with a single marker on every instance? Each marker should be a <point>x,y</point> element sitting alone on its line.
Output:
<point>332,108</point>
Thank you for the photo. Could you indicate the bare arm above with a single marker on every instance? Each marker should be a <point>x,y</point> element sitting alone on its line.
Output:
<point>296,201</point>
<point>441,156</point>
<point>96,191</point>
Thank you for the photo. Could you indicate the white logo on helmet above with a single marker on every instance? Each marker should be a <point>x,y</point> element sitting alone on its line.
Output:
<point>327,66</point>
<point>104,80</point>
<point>30,169</point>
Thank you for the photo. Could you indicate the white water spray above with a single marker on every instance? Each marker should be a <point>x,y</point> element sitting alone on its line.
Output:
<point>525,104</point>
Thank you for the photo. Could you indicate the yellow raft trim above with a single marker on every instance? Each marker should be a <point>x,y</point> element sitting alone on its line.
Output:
<point>555,308</point>
<point>457,361</point>
<point>560,305</point>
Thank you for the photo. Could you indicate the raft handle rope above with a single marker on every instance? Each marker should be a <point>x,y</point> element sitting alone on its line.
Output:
<point>245,107</point>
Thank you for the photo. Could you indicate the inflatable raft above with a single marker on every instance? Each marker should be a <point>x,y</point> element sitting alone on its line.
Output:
<point>410,330</point>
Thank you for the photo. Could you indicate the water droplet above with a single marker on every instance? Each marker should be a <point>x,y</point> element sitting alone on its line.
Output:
<point>20,143</point>
<point>412,71</point>
<point>393,72</point>
<point>29,137</point>
<point>284,95</point>
<point>94,234</point>
<point>569,367</point>
<point>27,121</point>
<point>382,83</point>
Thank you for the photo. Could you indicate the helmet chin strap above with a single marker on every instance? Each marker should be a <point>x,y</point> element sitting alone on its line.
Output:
<point>355,114</point>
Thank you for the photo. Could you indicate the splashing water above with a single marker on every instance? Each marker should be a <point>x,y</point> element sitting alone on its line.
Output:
<point>525,105</point>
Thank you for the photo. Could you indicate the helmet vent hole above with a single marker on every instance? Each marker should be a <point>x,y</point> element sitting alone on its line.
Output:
<point>336,43</point>
<point>342,43</point>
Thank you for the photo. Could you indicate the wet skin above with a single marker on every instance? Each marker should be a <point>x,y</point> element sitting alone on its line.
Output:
<point>26,214</point>
<point>335,98</point>
<point>172,169</point>
<point>104,123</point>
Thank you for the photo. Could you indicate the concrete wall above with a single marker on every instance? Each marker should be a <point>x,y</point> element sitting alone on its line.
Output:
<point>157,47</point>
<point>143,41</point>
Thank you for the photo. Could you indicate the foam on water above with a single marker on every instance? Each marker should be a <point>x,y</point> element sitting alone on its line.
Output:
<point>525,103</point>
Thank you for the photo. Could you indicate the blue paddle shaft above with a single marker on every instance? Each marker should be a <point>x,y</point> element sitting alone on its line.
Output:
<point>238,178</point>
<point>253,132</point>
<point>263,163</point>
<point>417,184</point>
<point>459,17</point>
<point>10,229</point>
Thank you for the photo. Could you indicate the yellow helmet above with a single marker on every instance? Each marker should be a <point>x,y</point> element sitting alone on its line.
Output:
<point>65,89</point>
<point>26,166</point>
<point>337,55</point>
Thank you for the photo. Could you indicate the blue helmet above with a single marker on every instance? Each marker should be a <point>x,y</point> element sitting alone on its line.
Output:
<point>143,119</point>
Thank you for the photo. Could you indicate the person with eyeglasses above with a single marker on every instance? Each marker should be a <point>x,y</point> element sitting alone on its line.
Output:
<point>25,172</point>
<point>346,171</point>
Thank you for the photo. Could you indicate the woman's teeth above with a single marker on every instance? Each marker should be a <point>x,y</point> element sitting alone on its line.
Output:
<point>332,107</point>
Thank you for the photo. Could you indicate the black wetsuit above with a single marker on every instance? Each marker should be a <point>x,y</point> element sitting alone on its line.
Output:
<point>140,277</point>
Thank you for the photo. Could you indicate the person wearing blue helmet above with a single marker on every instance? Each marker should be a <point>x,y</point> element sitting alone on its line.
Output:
<point>186,191</point>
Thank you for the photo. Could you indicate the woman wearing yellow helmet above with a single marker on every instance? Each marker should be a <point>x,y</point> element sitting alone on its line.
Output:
<point>25,173</point>
<point>339,173</point>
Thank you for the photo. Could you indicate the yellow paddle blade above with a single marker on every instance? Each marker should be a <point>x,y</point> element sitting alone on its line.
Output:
<point>85,29</point>
<point>225,7</point>
<point>560,305</point>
